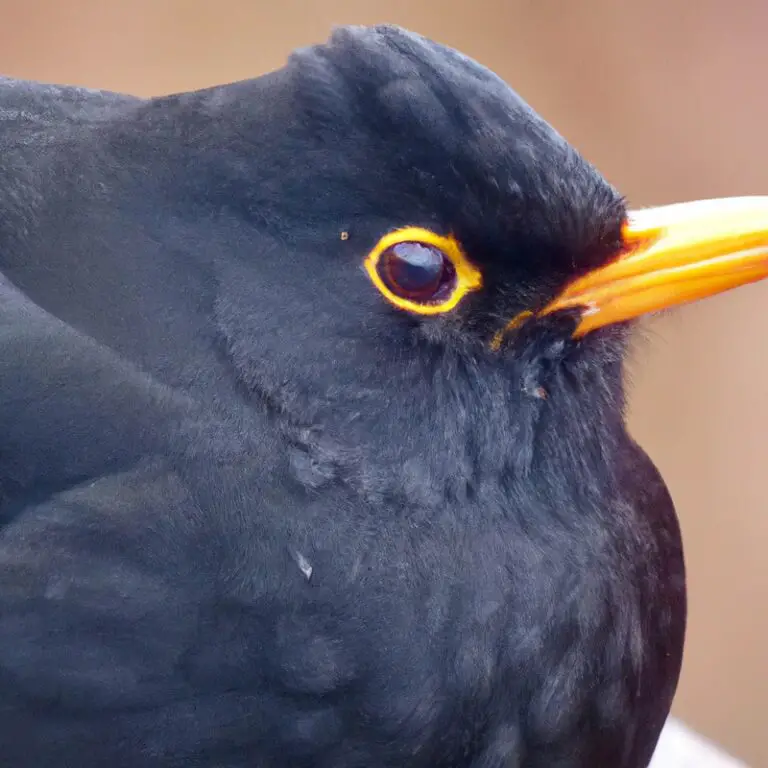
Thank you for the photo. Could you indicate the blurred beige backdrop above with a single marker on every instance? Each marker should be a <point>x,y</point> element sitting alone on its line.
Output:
<point>668,98</point>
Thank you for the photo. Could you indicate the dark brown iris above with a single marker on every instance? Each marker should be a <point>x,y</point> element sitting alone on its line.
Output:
<point>416,271</point>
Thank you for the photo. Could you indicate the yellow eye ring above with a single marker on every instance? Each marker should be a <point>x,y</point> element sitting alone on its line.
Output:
<point>464,276</point>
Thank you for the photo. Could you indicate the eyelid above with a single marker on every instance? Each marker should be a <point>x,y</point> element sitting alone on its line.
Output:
<point>468,277</point>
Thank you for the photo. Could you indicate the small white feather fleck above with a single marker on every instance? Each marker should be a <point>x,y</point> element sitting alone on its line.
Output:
<point>304,565</point>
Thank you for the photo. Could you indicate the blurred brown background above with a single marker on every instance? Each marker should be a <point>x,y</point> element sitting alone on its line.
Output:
<point>668,98</point>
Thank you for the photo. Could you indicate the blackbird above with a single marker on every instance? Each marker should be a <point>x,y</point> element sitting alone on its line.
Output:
<point>312,437</point>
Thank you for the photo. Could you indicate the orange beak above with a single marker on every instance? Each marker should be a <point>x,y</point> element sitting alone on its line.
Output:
<point>675,254</point>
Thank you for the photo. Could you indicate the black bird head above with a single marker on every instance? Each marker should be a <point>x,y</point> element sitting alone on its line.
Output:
<point>337,382</point>
<point>413,262</point>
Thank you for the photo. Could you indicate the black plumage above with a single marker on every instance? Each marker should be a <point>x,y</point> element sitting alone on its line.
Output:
<point>253,515</point>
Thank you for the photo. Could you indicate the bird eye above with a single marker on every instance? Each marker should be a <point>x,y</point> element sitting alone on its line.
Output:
<point>417,271</point>
<point>420,271</point>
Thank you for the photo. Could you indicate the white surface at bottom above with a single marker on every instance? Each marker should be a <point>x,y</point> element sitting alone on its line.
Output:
<point>680,747</point>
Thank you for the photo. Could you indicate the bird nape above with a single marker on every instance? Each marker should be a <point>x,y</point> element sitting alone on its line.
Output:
<point>313,450</point>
